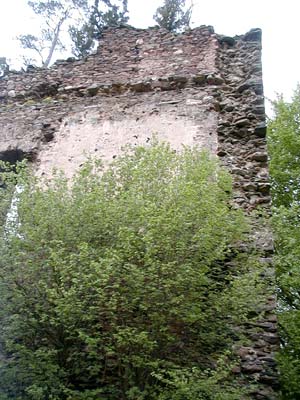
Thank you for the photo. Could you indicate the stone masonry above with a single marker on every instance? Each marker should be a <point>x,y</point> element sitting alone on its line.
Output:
<point>194,88</point>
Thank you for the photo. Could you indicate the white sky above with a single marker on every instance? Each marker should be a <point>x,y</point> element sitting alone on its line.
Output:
<point>279,20</point>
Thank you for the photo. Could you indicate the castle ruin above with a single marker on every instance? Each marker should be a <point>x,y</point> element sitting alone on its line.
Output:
<point>194,88</point>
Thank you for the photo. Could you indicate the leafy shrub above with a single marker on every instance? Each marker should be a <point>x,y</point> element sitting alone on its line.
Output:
<point>286,226</point>
<point>284,149</point>
<point>116,286</point>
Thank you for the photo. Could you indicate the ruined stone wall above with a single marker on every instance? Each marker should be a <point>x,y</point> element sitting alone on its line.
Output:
<point>194,88</point>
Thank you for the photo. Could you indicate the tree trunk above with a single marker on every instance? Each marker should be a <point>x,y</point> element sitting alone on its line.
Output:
<point>54,41</point>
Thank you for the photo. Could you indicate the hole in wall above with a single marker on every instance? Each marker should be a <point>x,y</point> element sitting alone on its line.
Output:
<point>12,156</point>
<point>49,135</point>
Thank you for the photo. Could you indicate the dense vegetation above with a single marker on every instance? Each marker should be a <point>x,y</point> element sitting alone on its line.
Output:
<point>284,149</point>
<point>119,286</point>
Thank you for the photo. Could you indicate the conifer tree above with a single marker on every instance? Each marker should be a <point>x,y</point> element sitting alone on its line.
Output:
<point>100,15</point>
<point>173,15</point>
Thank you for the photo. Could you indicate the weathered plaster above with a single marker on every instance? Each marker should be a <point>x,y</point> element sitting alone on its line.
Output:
<point>86,134</point>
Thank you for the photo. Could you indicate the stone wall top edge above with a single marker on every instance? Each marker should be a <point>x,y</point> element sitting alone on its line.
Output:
<point>200,28</point>
<point>129,56</point>
<point>253,34</point>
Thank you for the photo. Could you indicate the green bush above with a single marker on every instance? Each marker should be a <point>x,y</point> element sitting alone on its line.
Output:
<point>116,286</point>
<point>284,149</point>
<point>286,226</point>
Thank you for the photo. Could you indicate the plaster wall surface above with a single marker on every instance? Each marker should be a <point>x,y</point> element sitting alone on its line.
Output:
<point>85,134</point>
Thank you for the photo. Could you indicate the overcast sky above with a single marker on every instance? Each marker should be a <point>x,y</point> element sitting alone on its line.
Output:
<point>279,20</point>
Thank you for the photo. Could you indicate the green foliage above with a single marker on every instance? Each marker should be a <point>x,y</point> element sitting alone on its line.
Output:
<point>8,181</point>
<point>194,384</point>
<point>286,224</point>
<point>116,287</point>
<point>91,16</point>
<point>53,15</point>
<point>173,15</point>
<point>284,148</point>
<point>100,15</point>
